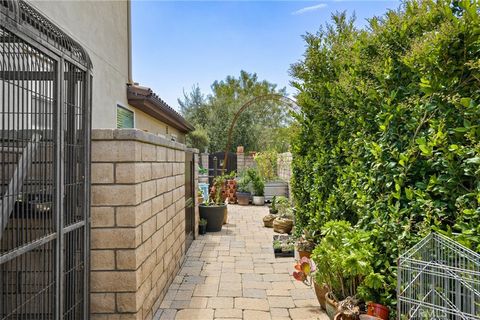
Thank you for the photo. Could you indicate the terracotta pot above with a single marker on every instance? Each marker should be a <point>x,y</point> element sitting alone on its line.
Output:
<point>243,198</point>
<point>378,310</point>
<point>305,254</point>
<point>320,292</point>
<point>330,306</point>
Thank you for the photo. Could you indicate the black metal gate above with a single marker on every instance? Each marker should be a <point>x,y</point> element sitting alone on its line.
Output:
<point>215,164</point>
<point>45,102</point>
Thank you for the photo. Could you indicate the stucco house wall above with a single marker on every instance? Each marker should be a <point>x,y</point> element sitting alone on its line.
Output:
<point>109,51</point>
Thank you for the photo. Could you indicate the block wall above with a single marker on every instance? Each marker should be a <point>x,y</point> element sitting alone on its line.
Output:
<point>138,221</point>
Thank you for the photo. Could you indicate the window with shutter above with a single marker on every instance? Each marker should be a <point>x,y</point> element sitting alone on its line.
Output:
<point>125,118</point>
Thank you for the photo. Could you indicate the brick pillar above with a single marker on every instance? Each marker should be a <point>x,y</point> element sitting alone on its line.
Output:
<point>240,159</point>
<point>138,222</point>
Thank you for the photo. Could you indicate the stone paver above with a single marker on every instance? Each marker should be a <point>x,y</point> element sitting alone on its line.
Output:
<point>233,274</point>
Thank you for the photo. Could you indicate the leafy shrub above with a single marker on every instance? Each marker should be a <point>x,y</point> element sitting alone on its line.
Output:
<point>267,164</point>
<point>389,131</point>
<point>344,260</point>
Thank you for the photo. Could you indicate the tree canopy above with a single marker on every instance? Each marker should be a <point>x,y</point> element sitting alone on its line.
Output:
<point>265,125</point>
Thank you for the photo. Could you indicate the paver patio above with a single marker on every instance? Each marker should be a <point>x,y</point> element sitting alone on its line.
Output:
<point>233,274</point>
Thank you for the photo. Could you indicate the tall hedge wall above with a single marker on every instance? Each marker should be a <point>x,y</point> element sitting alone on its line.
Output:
<point>390,127</point>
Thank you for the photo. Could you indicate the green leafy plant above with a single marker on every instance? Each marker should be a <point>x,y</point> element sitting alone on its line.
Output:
<point>258,186</point>
<point>245,182</point>
<point>277,244</point>
<point>202,170</point>
<point>273,207</point>
<point>203,222</point>
<point>344,259</point>
<point>388,135</point>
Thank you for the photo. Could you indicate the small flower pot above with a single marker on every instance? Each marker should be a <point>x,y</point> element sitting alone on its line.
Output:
<point>243,198</point>
<point>202,228</point>
<point>378,310</point>
<point>258,200</point>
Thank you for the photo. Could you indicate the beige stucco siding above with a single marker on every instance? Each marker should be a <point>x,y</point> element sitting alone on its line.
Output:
<point>101,27</point>
<point>145,122</point>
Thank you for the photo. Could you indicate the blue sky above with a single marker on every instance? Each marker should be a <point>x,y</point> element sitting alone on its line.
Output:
<point>177,44</point>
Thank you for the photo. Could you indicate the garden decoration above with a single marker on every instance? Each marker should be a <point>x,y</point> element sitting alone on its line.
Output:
<point>305,268</point>
<point>290,103</point>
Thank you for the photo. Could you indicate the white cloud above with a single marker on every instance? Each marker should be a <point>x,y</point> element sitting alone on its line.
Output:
<point>308,9</point>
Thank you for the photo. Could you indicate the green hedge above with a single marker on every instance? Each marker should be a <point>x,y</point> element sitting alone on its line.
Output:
<point>390,127</point>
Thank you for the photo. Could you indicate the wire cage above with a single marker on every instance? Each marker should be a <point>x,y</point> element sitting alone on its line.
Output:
<point>439,279</point>
<point>45,104</point>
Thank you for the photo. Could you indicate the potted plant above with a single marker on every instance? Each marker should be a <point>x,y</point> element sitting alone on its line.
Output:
<point>200,196</point>
<point>245,187</point>
<point>202,226</point>
<point>277,246</point>
<point>305,244</point>
<point>273,207</point>
<point>344,258</point>
<point>215,211</point>
<point>284,222</point>
<point>258,188</point>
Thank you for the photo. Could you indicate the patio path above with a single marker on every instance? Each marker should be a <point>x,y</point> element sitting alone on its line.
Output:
<point>233,274</point>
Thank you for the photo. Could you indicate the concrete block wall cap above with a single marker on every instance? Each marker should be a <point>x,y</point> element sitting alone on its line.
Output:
<point>194,150</point>
<point>136,135</point>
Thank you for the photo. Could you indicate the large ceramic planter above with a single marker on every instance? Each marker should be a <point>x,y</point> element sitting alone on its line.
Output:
<point>275,188</point>
<point>320,292</point>
<point>214,214</point>
<point>258,201</point>
<point>243,198</point>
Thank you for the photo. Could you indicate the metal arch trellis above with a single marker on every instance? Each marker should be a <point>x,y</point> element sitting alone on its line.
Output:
<point>266,97</point>
<point>45,103</point>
